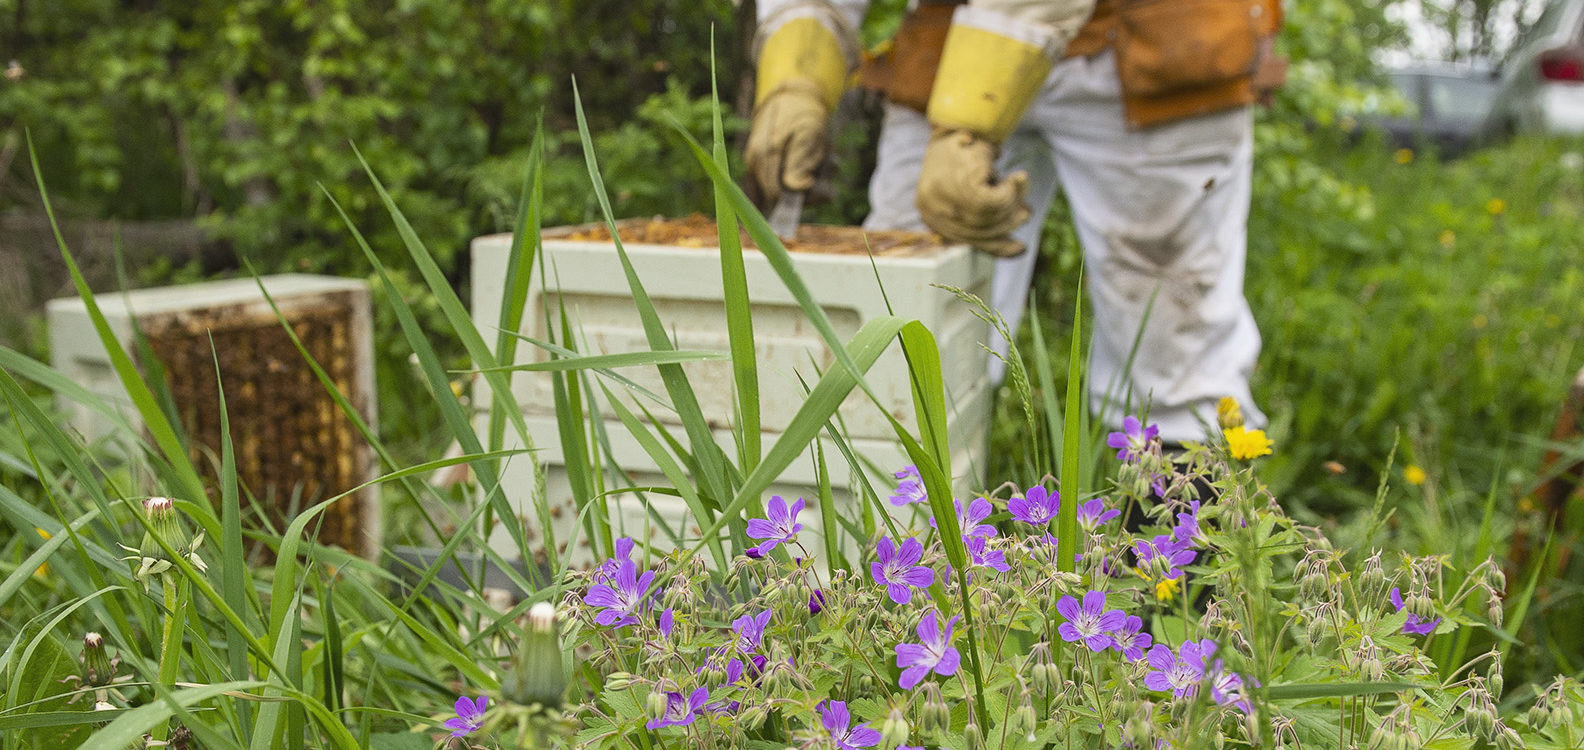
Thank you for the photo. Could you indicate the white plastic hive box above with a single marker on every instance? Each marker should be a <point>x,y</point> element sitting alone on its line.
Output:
<point>293,445</point>
<point>684,283</point>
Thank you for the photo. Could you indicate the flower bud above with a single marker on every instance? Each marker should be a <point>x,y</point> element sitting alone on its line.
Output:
<point>1507,739</point>
<point>1419,603</point>
<point>619,681</point>
<point>98,670</point>
<point>1494,611</point>
<point>537,675</point>
<point>655,704</point>
<point>1493,674</point>
<point>1370,666</point>
<point>973,737</point>
<point>1024,720</point>
<point>1373,576</point>
<point>895,730</point>
<point>1228,414</point>
<point>1537,716</point>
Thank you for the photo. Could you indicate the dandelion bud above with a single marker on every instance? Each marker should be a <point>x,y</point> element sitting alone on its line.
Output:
<point>98,670</point>
<point>537,675</point>
<point>973,737</point>
<point>162,515</point>
<point>895,730</point>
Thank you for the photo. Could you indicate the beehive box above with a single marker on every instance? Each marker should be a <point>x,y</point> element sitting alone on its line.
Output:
<point>294,447</point>
<point>679,265</point>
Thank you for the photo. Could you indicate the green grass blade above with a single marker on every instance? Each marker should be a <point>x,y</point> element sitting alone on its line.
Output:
<point>672,470</point>
<point>154,421</point>
<point>452,308</point>
<point>130,726</point>
<point>739,312</point>
<point>1072,480</point>
<point>451,410</point>
<point>1310,691</point>
<point>608,361</point>
<point>711,460</point>
<point>234,586</point>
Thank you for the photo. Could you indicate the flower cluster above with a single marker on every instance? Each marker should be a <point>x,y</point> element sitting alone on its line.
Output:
<point>897,649</point>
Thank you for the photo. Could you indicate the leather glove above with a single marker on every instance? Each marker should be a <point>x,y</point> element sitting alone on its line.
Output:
<point>787,142</point>
<point>960,198</point>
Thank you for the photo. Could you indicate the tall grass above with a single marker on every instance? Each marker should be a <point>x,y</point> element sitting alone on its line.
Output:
<point>325,649</point>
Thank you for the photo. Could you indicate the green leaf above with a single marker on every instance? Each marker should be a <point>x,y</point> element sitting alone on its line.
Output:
<point>1312,690</point>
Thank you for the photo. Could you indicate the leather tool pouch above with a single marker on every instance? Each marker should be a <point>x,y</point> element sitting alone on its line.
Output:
<point>1173,46</point>
<point>917,53</point>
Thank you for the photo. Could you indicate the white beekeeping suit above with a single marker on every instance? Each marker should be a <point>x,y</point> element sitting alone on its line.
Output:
<point>1145,126</point>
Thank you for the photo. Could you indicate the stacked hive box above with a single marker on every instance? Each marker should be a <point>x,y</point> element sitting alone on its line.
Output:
<point>294,446</point>
<point>583,275</point>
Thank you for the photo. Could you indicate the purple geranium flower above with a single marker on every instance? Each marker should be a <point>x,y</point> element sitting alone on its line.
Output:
<point>749,630</point>
<point>667,623</point>
<point>1226,688</point>
<point>1091,623</point>
<point>1414,626</point>
<point>898,569</point>
<point>1133,439</point>
<point>778,527</point>
<point>1180,673</point>
<point>816,602</point>
<point>972,523</point>
<point>607,569</point>
<point>1187,530</point>
<point>1129,640</point>
<point>1037,506</point>
<point>1164,553</point>
<point>833,714</point>
<point>1093,513</point>
<point>979,551</point>
<point>932,653</point>
<point>910,487</point>
<point>470,716</point>
<point>624,599</point>
<point>680,711</point>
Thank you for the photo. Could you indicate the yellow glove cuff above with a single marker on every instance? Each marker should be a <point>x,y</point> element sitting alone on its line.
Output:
<point>803,48</point>
<point>986,82</point>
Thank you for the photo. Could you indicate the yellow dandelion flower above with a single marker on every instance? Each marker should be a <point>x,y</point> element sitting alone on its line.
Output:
<point>1247,445</point>
<point>1526,504</point>
<point>1480,321</point>
<point>1165,589</point>
<point>1403,156</point>
<point>1447,238</point>
<point>1228,413</point>
<point>1414,474</point>
<point>1496,206</point>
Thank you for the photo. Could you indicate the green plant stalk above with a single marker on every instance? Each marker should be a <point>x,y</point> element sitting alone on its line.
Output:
<point>171,638</point>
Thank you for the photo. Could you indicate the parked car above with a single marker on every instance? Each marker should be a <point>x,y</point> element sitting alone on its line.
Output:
<point>1542,82</point>
<point>1448,103</point>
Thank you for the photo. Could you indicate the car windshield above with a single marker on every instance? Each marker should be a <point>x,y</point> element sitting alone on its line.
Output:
<point>1458,99</point>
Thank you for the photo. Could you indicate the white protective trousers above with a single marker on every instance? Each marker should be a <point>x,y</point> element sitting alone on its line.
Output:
<point>1162,216</point>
